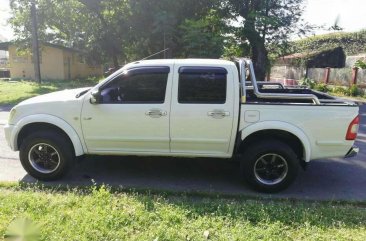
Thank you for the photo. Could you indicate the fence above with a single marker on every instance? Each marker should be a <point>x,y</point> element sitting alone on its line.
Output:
<point>341,76</point>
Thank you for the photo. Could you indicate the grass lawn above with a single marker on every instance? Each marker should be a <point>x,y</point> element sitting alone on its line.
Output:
<point>13,92</point>
<point>100,214</point>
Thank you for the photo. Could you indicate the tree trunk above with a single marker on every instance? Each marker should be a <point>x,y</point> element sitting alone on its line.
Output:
<point>259,57</point>
<point>257,45</point>
<point>115,61</point>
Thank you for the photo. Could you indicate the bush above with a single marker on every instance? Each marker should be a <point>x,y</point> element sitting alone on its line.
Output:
<point>308,82</point>
<point>321,87</point>
<point>340,90</point>
<point>355,91</point>
<point>360,64</point>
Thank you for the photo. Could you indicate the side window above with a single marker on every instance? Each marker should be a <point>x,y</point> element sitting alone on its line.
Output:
<point>202,85</point>
<point>137,86</point>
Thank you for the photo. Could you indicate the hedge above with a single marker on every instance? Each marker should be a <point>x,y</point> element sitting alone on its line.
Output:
<point>352,43</point>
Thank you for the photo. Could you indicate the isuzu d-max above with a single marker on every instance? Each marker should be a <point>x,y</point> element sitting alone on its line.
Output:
<point>185,108</point>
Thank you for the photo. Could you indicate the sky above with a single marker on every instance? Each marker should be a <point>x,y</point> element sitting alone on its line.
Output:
<point>352,15</point>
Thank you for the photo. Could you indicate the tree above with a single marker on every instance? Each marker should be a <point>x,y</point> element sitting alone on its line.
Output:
<point>264,23</point>
<point>114,30</point>
<point>203,38</point>
<point>157,22</point>
<point>99,27</point>
<point>113,16</point>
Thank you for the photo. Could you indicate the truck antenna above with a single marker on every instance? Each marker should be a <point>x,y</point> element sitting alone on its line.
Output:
<point>155,54</point>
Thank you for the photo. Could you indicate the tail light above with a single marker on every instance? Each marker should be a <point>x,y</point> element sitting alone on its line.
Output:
<point>353,129</point>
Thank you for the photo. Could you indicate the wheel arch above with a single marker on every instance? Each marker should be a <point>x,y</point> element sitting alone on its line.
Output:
<point>286,132</point>
<point>31,123</point>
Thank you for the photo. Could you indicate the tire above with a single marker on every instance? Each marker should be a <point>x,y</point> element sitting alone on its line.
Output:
<point>46,155</point>
<point>269,166</point>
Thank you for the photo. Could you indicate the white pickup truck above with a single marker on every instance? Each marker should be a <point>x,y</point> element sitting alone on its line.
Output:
<point>185,108</point>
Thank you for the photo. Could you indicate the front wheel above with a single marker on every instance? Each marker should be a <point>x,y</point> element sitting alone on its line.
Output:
<point>269,166</point>
<point>46,156</point>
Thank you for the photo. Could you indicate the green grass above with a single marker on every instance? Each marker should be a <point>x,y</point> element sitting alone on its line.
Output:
<point>98,213</point>
<point>13,92</point>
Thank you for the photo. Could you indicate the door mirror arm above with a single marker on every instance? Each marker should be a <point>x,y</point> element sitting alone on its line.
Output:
<point>95,97</point>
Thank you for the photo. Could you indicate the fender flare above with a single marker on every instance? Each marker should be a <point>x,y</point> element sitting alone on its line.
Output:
<point>283,126</point>
<point>48,119</point>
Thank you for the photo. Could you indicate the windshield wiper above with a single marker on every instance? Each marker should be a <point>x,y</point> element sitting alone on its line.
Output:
<point>82,93</point>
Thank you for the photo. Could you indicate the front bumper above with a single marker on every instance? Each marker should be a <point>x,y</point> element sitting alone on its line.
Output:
<point>8,135</point>
<point>352,152</point>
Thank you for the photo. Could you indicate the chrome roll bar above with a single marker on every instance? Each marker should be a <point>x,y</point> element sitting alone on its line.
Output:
<point>242,68</point>
<point>242,76</point>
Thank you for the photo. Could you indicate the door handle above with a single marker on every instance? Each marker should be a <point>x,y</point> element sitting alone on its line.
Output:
<point>218,114</point>
<point>156,113</point>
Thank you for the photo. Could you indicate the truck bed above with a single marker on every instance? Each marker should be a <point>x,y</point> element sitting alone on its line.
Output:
<point>324,98</point>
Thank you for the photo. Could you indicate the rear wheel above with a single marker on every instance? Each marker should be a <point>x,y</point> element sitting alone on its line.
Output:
<point>46,155</point>
<point>269,166</point>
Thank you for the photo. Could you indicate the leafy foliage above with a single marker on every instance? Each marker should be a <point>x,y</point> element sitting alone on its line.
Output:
<point>308,82</point>
<point>203,37</point>
<point>267,23</point>
<point>125,30</point>
<point>352,43</point>
<point>360,64</point>
<point>353,90</point>
<point>334,58</point>
<point>118,30</point>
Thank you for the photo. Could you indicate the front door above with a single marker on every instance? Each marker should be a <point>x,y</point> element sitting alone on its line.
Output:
<point>202,111</point>
<point>133,113</point>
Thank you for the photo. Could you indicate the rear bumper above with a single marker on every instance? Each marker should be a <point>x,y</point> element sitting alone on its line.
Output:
<point>352,152</point>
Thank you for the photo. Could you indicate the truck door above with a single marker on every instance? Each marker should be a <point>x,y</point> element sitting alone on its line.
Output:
<point>202,110</point>
<point>132,115</point>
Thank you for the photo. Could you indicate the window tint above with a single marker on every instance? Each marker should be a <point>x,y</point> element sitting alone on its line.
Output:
<point>137,86</point>
<point>202,85</point>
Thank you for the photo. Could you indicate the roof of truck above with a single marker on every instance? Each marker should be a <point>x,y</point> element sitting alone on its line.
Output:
<point>183,61</point>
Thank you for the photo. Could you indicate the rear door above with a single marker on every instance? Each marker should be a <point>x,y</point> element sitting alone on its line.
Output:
<point>202,110</point>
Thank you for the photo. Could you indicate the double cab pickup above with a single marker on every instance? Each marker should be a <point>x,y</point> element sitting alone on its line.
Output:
<point>185,108</point>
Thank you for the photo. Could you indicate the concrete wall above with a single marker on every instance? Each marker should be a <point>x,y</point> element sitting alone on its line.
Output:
<point>56,64</point>
<point>287,72</point>
<point>21,65</point>
<point>316,74</point>
<point>341,76</point>
<point>351,60</point>
<point>75,66</point>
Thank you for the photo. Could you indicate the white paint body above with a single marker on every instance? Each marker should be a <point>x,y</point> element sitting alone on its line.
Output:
<point>186,130</point>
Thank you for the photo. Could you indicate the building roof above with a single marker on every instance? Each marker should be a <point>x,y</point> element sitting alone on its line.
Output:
<point>5,46</point>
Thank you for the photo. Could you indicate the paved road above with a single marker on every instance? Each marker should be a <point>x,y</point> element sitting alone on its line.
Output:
<point>333,179</point>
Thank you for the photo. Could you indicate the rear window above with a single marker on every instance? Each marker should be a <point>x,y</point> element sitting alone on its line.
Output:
<point>202,85</point>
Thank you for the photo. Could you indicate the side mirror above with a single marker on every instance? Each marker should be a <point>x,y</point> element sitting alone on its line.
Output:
<point>95,97</point>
